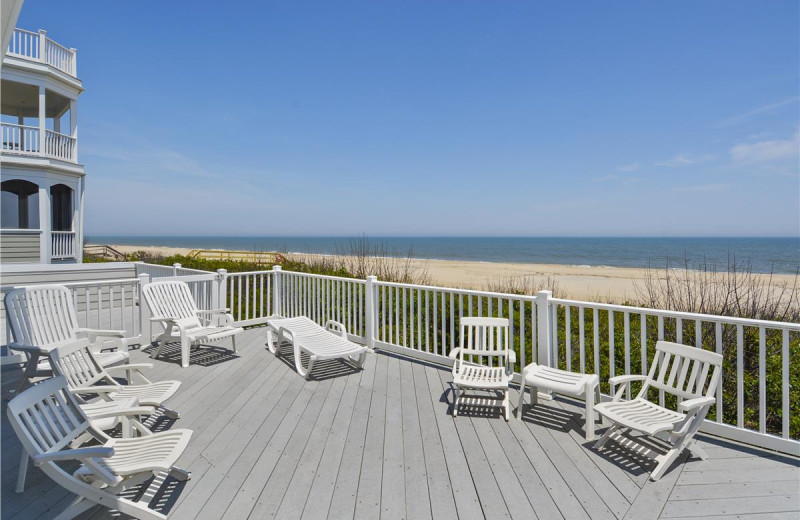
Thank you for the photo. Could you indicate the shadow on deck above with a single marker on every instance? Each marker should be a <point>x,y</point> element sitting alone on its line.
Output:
<point>380,443</point>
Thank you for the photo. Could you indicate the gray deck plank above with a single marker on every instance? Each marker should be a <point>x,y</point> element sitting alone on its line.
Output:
<point>492,501</point>
<point>343,499</point>
<point>417,496</point>
<point>301,452</point>
<point>368,497</point>
<point>266,442</point>
<point>393,486</point>
<point>319,497</point>
<point>465,493</point>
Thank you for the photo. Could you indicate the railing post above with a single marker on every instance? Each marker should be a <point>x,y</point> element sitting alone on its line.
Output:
<point>276,290</point>
<point>370,317</point>
<point>221,289</point>
<point>74,67</point>
<point>175,268</point>
<point>145,326</point>
<point>42,45</point>
<point>543,327</point>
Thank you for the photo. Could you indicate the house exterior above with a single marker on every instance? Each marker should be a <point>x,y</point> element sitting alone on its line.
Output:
<point>42,180</point>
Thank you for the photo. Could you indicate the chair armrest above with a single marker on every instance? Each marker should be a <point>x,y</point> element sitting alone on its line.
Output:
<point>132,366</point>
<point>164,318</point>
<point>617,380</point>
<point>454,353</point>
<point>139,410</point>
<point>93,452</point>
<point>30,349</point>
<point>103,333</point>
<point>693,404</point>
<point>336,328</point>
<point>105,389</point>
<point>512,357</point>
<point>214,311</point>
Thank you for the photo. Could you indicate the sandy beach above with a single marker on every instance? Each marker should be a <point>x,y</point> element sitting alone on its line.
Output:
<point>605,284</point>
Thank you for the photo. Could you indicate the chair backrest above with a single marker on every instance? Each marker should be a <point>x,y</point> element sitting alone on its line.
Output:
<point>683,371</point>
<point>41,315</point>
<point>484,338</point>
<point>46,417</point>
<point>77,364</point>
<point>171,299</point>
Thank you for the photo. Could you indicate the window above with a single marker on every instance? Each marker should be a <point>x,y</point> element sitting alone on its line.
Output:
<point>61,197</point>
<point>20,205</point>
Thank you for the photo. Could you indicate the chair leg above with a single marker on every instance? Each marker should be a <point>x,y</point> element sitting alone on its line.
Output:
<point>506,405</point>
<point>456,400</point>
<point>22,472</point>
<point>233,340</point>
<point>521,401</point>
<point>589,428</point>
<point>78,506</point>
<point>303,371</point>
<point>186,345</point>
<point>664,462</point>
<point>607,435</point>
<point>29,372</point>
<point>697,451</point>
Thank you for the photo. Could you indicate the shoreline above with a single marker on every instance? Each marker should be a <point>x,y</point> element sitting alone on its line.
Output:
<point>590,283</point>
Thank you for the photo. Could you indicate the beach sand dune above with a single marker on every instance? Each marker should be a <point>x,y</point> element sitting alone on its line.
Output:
<point>598,284</point>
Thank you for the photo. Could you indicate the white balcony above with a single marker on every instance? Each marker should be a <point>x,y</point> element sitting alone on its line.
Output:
<point>36,46</point>
<point>62,245</point>
<point>26,140</point>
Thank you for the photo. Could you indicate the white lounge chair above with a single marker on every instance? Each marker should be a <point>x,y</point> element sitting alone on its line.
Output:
<point>172,304</point>
<point>43,317</point>
<point>691,374</point>
<point>487,340</point>
<point>319,343</point>
<point>47,419</point>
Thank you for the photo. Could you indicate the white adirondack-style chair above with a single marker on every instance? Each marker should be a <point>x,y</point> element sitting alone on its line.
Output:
<point>487,340</point>
<point>171,303</point>
<point>43,317</point>
<point>319,343</point>
<point>48,419</point>
<point>78,364</point>
<point>692,375</point>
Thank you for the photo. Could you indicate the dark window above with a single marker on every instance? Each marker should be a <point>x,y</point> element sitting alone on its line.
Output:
<point>62,207</point>
<point>20,205</point>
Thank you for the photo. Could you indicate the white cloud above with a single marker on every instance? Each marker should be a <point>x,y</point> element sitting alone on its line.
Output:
<point>757,111</point>
<point>606,178</point>
<point>702,188</point>
<point>629,167</point>
<point>686,160</point>
<point>766,151</point>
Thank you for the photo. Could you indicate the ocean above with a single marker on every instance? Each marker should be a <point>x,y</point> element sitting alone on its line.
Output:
<point>762,255</point>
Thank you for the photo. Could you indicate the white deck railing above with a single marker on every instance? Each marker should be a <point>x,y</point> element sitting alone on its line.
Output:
<point>36,46</point>
<point>60,146</point>
<point>20,139</point>
<point>756,402</point>
<point>62,244</point>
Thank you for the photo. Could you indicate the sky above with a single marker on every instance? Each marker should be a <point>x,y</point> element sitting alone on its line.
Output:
<point>431,117</point>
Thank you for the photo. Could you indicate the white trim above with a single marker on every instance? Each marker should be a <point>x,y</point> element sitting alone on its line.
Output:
<point>35,268</point>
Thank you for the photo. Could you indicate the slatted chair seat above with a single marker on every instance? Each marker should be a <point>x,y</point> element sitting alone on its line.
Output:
<point>171,303</point>
<point>487,340</point>
<point>307,337</point>
<point>691,375</point>
<point>43,317</point>
<point>48,419</point>
<point>153,394</point>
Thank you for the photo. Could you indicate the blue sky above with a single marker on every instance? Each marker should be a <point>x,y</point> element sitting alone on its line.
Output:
<point>436,117</point>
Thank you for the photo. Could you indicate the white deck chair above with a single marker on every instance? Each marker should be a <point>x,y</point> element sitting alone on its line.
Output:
<point>171,303</point>
<point>486,339</point>
<point>687,372</point>
<point>47,419</point>
<point>319,343</point>
<point>43,317</point>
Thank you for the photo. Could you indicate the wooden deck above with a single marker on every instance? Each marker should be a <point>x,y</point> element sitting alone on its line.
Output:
<point>381,443</point>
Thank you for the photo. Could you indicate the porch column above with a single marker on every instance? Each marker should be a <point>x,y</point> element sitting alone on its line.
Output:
<point>73,127</point>
<point>44,224</point>
<point>42,120</point>
<point>77,220</point>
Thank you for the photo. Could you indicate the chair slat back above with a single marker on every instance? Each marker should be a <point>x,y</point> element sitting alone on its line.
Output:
<point>484,338</point>
<point>171,299</point>
<point>46,417</point>
<point>75,362</point>
<point>42,315</point>
<point>687,372</point>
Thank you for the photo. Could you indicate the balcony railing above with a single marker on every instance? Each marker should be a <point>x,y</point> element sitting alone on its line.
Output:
<point>38,47</point>
<point>63,245</point>
<point>25,140</point>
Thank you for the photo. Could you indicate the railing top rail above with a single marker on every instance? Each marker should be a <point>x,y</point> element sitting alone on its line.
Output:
<point>56,44</point>
<point>18,30</point>
<point>20,126</point>
<point>63,232</point>
<point>324,276</point>
<point>470,292</point>
<point>680,314</point>
<point>247,273</point>
<point>113,281</point>
<point>59,134</point>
